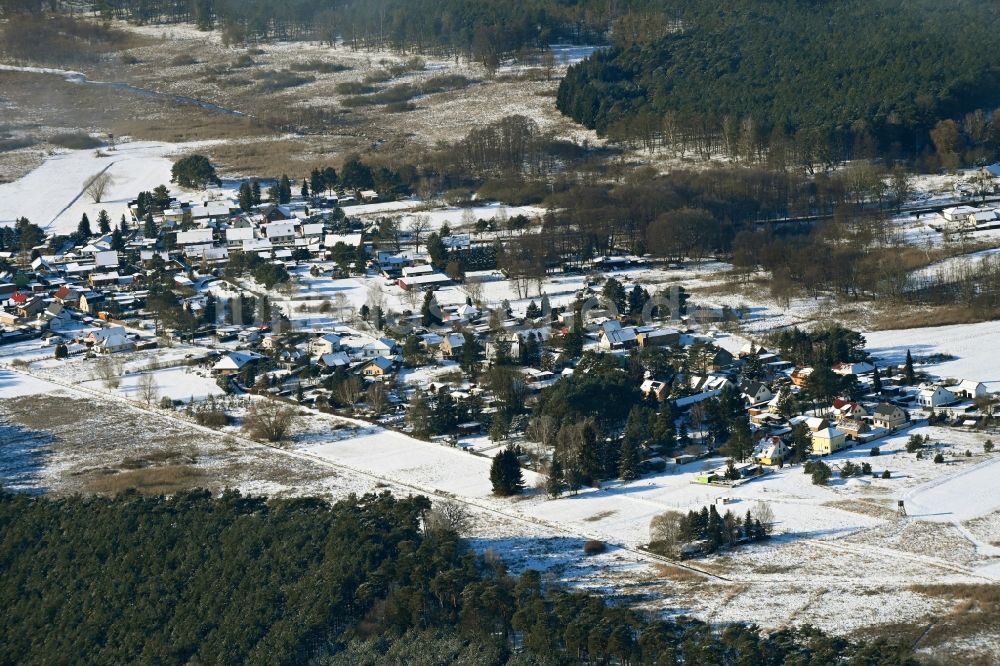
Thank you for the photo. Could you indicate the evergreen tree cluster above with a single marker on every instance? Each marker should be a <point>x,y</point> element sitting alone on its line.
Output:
<point>192,579</point>
<point>717,531</point>
<point>848,79</point>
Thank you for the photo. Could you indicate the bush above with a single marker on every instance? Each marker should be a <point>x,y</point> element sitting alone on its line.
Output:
<point>166,403</point>
<point>939,458</point>
<point>183,60</point>
<point>319,66</point>
<point>75,141</point>
<point>354,88</point>
<point>270,80</point>
<point>886,475</point>
<point>821,473</point>
<point>594,547</point>
<point>875,451</point>
<point>866,468</point>
<point>988,446</point>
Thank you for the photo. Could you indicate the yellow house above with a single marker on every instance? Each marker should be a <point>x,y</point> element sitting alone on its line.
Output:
<point>828,440</point>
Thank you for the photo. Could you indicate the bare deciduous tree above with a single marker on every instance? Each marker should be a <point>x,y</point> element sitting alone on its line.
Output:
<point>109,370</point>
<point>269,420</point>
<point>149,390</point>
<point>418,227</point>
<point>97,185</point>
<point>448,516</point>
<point>763,512</point>
<point>349,391</point>
<point>665,533</point>
<point>377,398</point>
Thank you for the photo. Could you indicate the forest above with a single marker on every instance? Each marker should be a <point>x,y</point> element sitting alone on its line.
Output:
<point>370,580</point>
<point>829,80</point>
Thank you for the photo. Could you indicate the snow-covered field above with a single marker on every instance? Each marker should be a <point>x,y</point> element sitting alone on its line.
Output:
<point>975,347</point>
<point>52,196</point>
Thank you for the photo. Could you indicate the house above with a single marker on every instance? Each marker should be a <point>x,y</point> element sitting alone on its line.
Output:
<point>613,336</point>
<point>655,388</point>
<point>859,368</point>
<point>720,359</point>
<point>110,340</point>
<point>800,376</point>
<point>853,428</point>
<point>275,213</point>
<point>934,396</point>
<point>658,337</point>
<point>756,392</point>
<point>380,347</point>
<point>280,232</point>
<point>771,451</point>
<point>233,362</point>
<point>57,316</point>
<point>813,423</point>
<point>379,366</point>
<point>844,409</point>
<point>324,344</point>
<point>194,237</point>
<point>969,390</point>
<point>451,345</point>
<point>236,237</point>
<point>29,307</point>
<point>334,360</point>
<point>828,440</point>
<point>889,416</point>
<point>67,295</point>
<point>369,195</point>
<point>958,215</point>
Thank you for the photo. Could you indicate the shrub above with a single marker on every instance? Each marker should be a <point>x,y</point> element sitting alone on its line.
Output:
<point>866,468</point>
<point>875,451</point>
<point>319,66</point>
<point>939,458</point>
<point>886,475</point>
<point>821,473</point>
<point>75,141</point>
<point>354,88</point>
<point>594,547</point>
<point>166,403</point>
<point>988,446</point>
<point>183,60</point>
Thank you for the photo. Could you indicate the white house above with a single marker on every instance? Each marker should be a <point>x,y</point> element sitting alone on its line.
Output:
<point>324,344</point>
<point>934,396</point>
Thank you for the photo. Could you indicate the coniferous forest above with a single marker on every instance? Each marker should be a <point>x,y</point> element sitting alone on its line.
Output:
<point>234,579</point>
<point>858,78</point>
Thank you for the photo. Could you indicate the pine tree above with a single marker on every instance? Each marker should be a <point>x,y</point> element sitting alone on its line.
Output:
<point>103,222</point>
<point>305,189</point>
<point>469,359</point>
<point>256,199</point>
<point>876,381</point>
<point>149,227</point>
<point>554,482</point>
<point>505,473</point>
<point>284,190</point>
<point>427,314</point>
<point>123,224</point>
<point>628,462</point>
<point>117,242</point>
<point>908,373</point>
<point>532,311</point>
<point>245,197</point>
<point>83,228</point>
